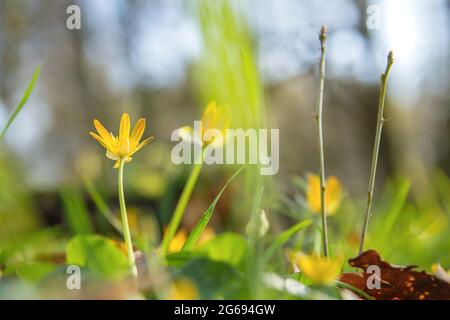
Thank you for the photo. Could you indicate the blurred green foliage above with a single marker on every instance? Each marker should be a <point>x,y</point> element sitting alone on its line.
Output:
<point>227,72</point>
<point>406,228</point>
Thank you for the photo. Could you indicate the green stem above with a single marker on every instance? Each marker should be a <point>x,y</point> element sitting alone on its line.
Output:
<point>181,206</point>
<point>323,212</point>
<point>376,148</point>
<point>125,227</point>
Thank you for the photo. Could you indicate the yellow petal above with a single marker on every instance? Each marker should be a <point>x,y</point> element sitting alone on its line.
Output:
<point>178,241</point>
<point>223,118</point>
<point>117,164</point>
<point>333,194</point>
<point>209,116</point>
<point>99,139</point>
<point>137,133</point>
<point>183,289</point>
<point>216,117</point>
<point>124,130</point>
<point>111,155</point>
<point>313,193</point>
<point>141,145</point>
<point>101,130</point>
<point>320,270</point>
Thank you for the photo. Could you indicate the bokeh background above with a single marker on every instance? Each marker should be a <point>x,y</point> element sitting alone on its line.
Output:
<point>165,59</point>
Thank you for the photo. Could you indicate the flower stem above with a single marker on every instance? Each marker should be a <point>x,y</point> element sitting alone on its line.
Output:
<point>323,212</point>
<point>125,227</point>
<point>181,206</point>
<point>376,148</point>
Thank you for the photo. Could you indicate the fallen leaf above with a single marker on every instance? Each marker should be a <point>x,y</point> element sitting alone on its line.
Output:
<point>396,283</point>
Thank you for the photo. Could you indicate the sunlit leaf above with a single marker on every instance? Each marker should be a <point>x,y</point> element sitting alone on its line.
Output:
<point>34,271</point>
<point>227,247</point>
<point>98,254</point>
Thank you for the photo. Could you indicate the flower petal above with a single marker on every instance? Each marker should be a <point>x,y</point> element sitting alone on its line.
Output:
<point>313,193</point>
<point>124,130</point>
<point>111,155</point>
<point>333,194</point>
<point>117,164</point>
<point>137,133</point>
<point>99,139</point>
<point>141,145</point>
<point>101,130</point>
<point>209,116</point>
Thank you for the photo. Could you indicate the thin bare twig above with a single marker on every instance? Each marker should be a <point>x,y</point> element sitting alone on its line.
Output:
<point>376,148</point>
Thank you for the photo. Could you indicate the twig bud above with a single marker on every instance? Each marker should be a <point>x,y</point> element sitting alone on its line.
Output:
<point>323,34</point>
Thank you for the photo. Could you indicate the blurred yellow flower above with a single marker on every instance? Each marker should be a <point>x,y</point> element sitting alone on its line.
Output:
<point>125,145</point>
<point>333,194</point>
<point>183,289</point>
<point>177,242</point>
<point>320,270</point>
<point>213,117</point>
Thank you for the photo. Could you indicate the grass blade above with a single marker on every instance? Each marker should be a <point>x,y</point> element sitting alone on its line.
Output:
<point>22,102</point>
<point>283,237</point>
<point>203,222</point>
<point>356,290</point>
<point>102,206</point>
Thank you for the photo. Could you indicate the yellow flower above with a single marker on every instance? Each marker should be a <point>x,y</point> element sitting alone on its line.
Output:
<point>183,289</point>
<point>177,242</point>
<point>333,194</point>
<point>213,117</point>
<point>125,145</point>
<point>320,270</point>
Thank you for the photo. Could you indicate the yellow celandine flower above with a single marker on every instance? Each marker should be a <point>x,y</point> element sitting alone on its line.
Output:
<point>183,289</point>
<point>125,145</point>
<point>213,117</point>
<point>320,270</point>
<point>333,194</point>
<point>177,242</point>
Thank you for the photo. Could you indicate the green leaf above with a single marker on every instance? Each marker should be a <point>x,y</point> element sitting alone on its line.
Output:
<point>22,102</point>
<point>179,259</point>
<point>283,237</point>
<point>98,254</point>
<point>214,280</point>
<point>227,247</point>
<point>195,234</point>
<point>34,272</point>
